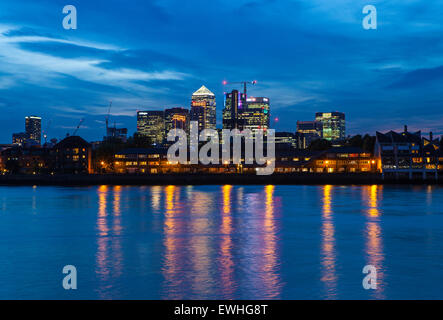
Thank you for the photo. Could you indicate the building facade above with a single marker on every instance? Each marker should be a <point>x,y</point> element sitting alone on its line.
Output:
<point>408,154</point>
<point>310,131</point>
<point>116,133</point>
<point>203,109</point>
<point>332,124</point>
<point>19,139</point>
<point>234,105</point>
<point>73,155</point>
<point>257,114</point>
<point>33,129</point>
<point>151,124</point>
<point>176,118</point>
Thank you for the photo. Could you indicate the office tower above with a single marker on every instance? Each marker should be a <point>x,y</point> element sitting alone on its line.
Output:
<point>33,129</point>
<point>203,108</point>
<point>234,105</point>
<point>151,124</point>
<point>333,125</point>
<point>257,114</point>
<point>176,118</point>
<point>309,131</point>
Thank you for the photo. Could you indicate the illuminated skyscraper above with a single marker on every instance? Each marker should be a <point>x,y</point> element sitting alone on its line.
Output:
<point>176,118</point>
<point>33,129</point>
<point>333,125</point>
<point>203,108</point>
<point>234,105</point>
<point>152,125</point>
<point>257,114</point>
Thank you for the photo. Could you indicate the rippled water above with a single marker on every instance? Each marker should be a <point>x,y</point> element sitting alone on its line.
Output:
<point>221,242</point>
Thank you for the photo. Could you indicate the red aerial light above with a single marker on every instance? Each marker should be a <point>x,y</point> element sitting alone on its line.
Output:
<point>225,82</point>
<point>276,119</point>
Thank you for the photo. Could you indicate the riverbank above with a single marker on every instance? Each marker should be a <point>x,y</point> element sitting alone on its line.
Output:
<point>210,179</point>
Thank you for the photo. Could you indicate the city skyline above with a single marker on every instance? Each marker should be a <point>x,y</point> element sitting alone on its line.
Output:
<point>134,56</point>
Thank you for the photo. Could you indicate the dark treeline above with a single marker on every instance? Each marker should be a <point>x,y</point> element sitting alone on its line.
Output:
<point>106,151</point>
<point>366,143</point>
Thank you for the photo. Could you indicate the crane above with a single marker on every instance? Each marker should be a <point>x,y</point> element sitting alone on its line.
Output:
<point>78,127</point>
<point>244,83</point>
<point>107,117</point>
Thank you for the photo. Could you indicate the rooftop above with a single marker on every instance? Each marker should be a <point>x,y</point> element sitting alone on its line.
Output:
<point>203,91</point>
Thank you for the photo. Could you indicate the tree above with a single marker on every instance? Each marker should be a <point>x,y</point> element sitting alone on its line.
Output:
<point>106,151</point>
<point>368,143</point>
<point>139,141</point>
<point>320,145</point>
<point>355,141</point>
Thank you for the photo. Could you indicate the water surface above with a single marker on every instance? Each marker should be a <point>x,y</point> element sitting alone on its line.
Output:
<point>221,242</point>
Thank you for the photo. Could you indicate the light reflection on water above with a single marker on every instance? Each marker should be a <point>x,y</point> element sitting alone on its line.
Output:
<point>109,257</point>
<point>328,260</point>
<point>224,242</point>
<point>374,247</point>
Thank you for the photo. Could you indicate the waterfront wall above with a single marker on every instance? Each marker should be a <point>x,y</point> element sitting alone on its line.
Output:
<point>213,179</point>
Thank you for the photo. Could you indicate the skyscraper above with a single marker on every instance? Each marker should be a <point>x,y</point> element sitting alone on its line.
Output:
<point>203,108</point>
<point>151,124</point>
<point>333,125</point>
<point>234,105</point>
<point>176,118</point>
<point>33,129</point>
<point>257,114</point>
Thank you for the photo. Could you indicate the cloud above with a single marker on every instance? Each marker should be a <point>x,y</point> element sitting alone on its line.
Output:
<point>34,66</point>
<point>419,78</point>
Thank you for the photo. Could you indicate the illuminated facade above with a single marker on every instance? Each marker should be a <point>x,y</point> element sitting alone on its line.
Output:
<point>19,138</point>
<point>151,124</point>
<point>344,160</point>
<point>334,160</point>
<point>332,124</point>
<point>176,118</point>
<point>234,105</point>
<point>203,108</point>
<point>408,154</point>
<point>257,114</point>
<point>33,129</point>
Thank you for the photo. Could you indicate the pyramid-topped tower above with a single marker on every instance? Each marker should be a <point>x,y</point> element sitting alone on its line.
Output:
<point>203,91</point>
<point>203,109</point>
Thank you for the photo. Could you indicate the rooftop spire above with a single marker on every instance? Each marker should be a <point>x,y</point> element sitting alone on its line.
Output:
<point>203,91</point>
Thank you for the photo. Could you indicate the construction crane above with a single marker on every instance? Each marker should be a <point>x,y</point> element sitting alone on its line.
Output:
<point>244,83</point>
<point>107,117</point>
<point>78,127</point>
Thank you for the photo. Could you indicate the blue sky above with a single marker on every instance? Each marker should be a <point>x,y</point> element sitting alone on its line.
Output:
<point>307,55</point>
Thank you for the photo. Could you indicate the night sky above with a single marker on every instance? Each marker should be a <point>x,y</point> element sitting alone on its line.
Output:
<point>307,56</point>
